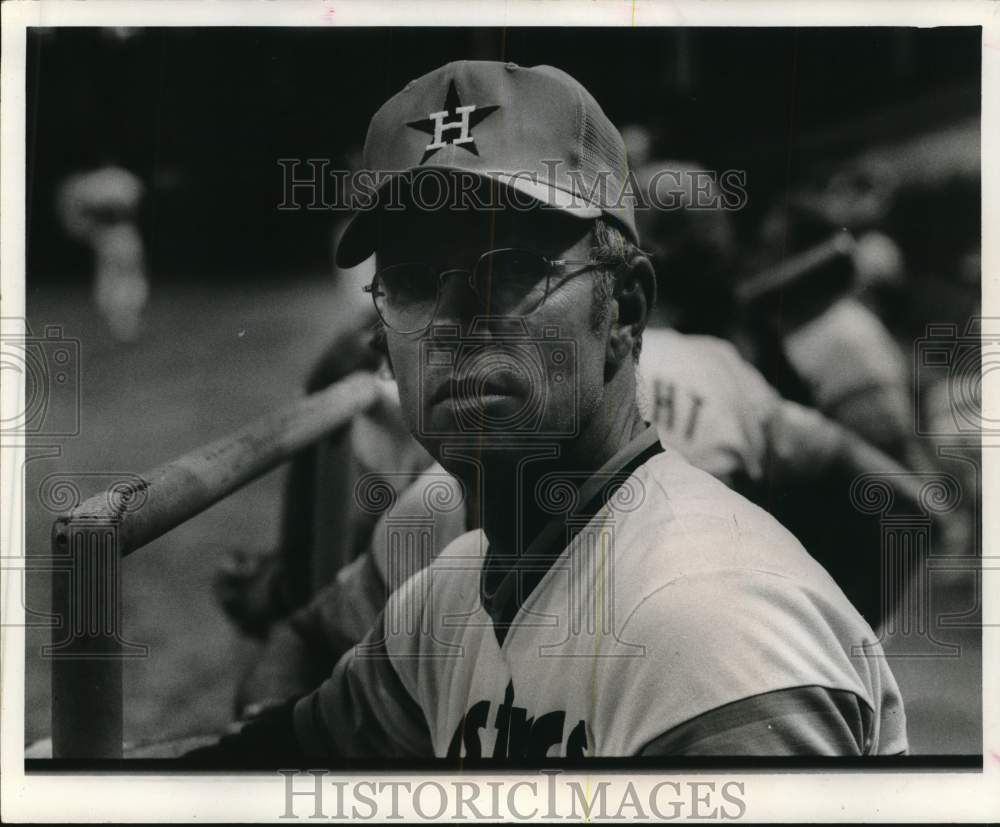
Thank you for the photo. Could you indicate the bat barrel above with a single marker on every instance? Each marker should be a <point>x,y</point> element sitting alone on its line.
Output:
<point>805,268</point>
<point>89,542</point>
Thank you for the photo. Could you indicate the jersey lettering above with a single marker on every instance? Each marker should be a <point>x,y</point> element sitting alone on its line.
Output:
<point>665,408</point>
<point>517,735</point>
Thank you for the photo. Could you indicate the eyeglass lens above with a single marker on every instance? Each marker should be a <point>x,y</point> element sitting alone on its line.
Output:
<point>506,282</point>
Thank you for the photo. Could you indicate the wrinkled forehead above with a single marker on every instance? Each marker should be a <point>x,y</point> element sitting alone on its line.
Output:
<point>442,234</point>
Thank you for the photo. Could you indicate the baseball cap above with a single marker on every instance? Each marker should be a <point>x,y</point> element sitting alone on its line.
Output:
<point>535,130</point>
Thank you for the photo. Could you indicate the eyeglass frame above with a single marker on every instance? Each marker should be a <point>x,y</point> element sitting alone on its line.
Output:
<point>551,264</point>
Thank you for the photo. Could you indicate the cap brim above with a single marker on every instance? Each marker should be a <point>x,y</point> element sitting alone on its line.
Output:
<point>359,238</point>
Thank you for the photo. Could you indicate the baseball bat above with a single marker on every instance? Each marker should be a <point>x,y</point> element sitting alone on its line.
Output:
<point>826,267</point>
<point>173,493</point>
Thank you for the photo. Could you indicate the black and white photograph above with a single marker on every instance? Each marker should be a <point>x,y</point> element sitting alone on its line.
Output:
<point>398,393</point>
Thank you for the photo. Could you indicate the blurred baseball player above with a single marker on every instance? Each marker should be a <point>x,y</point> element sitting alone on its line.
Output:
<point>853,370</point>
<point>614,600</point>
<point>100,209</point>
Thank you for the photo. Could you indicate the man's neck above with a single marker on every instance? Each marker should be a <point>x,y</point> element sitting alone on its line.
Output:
<point>503,486</point>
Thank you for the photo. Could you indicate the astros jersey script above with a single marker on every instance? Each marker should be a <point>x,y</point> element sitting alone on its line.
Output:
<point>658,612</point>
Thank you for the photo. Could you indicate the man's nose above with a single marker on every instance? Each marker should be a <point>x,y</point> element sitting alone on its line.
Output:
<point>459,302</point>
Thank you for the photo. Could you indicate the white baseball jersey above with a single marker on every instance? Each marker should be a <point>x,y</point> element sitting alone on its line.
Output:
<point>663,614</point>
<point>706,401</point>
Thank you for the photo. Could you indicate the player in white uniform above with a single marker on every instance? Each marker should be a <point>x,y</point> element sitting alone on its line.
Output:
<point>706,402</point>
<point>100,208</point>
<point>615,601</point>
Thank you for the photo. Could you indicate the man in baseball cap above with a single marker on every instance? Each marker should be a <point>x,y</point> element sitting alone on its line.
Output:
<point>534,129</point>
<point>612,599</point>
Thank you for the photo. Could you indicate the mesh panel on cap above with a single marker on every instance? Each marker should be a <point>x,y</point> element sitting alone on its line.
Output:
<point>601,148</point>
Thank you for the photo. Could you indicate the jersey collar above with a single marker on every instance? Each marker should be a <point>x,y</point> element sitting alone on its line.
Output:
<point>503,592</point>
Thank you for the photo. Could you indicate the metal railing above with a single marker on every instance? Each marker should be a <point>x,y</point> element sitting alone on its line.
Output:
<point>90,541</point>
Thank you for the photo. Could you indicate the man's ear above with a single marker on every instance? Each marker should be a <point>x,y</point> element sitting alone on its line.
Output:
<point>633,300</point>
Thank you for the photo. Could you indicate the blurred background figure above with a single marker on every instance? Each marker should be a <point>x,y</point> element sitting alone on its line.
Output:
<point>839,347</point>
<point>638,143</point>
<point>688,227</point>
<point>323,526</point>
<point>100,208</point>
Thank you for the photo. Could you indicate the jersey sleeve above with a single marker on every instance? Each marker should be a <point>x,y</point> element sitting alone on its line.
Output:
<point>803,720</point>
<point>342,611</point>
<point>801,442</point>
<point>756,663</point>
<point>363,709</point>
<point>857,374</point>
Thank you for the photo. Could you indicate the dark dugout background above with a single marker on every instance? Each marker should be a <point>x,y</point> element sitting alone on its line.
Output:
<point>202,115</point>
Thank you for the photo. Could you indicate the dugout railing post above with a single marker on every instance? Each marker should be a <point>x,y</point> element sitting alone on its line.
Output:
<point>88,649</point>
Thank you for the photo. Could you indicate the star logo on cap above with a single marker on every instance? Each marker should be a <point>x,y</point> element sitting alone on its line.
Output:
<point>453,125</point>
